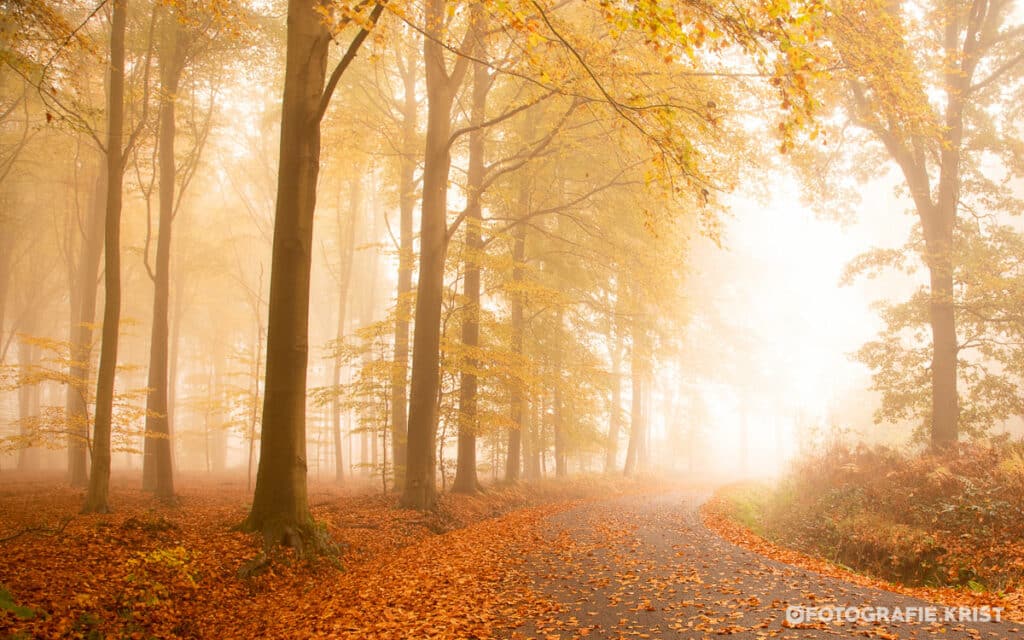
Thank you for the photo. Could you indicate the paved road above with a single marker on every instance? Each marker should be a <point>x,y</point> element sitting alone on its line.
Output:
<point>645,567</point>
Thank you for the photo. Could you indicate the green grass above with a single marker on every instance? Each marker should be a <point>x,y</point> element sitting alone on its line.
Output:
<point>747,503</point>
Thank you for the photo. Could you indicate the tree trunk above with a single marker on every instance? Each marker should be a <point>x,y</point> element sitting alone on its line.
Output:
<point>517,402</point>
<point>368,432</point>
<point>420,490</point>
<point>534,426</point>
<point>466,480</point>
<point>938,231</point>
<point>346,247</point>
<point>519,405</point>
<point>83,315</point>
<point>27,458</point>
<point>174,349</point>
<point>5,280</point>
<point>96,499</point>
<point>637,426</point>
<point>558,422</point>
<point>255,395</point>
<point>157,469</point>
<point>403,311</point>
<point>280,509</point>
<point>615,419</point>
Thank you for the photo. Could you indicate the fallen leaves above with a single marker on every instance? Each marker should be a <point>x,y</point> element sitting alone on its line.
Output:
<point>170,572</point>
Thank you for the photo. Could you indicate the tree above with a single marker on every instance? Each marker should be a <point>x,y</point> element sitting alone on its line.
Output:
<point>419,490</point>
<point>465,474</point>
<point>280,510</point>
<point>892,69</point>
<point>157,471</point>
<point>96,499</point>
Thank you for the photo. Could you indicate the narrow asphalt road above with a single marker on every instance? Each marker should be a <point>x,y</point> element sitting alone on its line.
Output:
<point>645,567</point>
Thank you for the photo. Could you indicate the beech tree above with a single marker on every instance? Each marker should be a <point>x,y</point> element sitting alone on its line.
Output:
<point>96,499</point>
<point>280,510</point>
<point>926,101</point>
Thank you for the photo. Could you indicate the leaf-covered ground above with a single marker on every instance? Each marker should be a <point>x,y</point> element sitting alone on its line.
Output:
<point>646,567</point>
<point>548,561</point>
<point>149,571</point>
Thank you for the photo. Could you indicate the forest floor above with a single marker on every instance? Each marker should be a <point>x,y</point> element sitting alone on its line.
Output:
<point>548,560</point>
<point>154,571</point>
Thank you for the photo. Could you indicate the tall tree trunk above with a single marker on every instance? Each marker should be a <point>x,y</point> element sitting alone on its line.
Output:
<point>518,403</point>
<point>558,422</point>
<point>27,458</point>
<point>280,508</point>
<point>615,418</point>
<point>255,395</point>
<point>367,313</point>
<point>637,426</point>
<point>96,499</point>
<point>157,469</point>
<point>535,428</point>
<point>5,279</point>
<point>420,490</point>
<point>466,480</point>
<point>83,315</point>
<point>938,231</point>
<point>346,248</point>
<point>216,402</point>
<point>403,311</point>
<point>174,350</point>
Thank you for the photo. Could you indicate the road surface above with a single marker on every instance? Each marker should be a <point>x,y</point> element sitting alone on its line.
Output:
<point>645,567</point>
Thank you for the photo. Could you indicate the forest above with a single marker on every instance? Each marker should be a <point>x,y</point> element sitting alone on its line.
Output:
<point>511,318</point>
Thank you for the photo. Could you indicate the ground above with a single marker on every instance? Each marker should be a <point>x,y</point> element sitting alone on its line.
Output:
<point>543,562</point>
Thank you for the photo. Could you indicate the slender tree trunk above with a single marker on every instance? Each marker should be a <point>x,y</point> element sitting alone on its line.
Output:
<point>5,279</point>
<point>280,508</point>
<point>519,407</point>
<point>367,313</point>
<point>157,469</point>
<point>542,428</point>
<point>466,480</point>
<point>220,436</point>
<point>637,426</point>
<point>207,411</point>
<point>83,314</point>
<point>403,312</point>
<point>346,248</point>
<point>174,350</point>
<point>27,458</point>
<point>535,428</point>
<point>96,499</point>
<point>558,422</point>
<point>255,395</point>
<point>615,418</point>
<point>420,490</point>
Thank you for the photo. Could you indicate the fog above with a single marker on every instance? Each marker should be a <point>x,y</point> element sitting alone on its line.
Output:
<point>617,259</point>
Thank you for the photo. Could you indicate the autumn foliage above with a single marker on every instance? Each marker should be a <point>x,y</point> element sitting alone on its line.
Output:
<point>947,525</point>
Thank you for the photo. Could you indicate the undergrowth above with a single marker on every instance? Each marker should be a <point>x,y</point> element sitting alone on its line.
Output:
<point>916,519</point>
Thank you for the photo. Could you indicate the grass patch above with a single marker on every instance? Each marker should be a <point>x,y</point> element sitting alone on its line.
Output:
<point>746,503</point>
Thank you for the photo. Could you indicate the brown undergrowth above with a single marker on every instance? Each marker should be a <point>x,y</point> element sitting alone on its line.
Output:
<point>946,529</point>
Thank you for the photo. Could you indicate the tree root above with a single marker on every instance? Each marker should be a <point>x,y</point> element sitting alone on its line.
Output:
<point>310,542</point>
<point>46,531</point>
